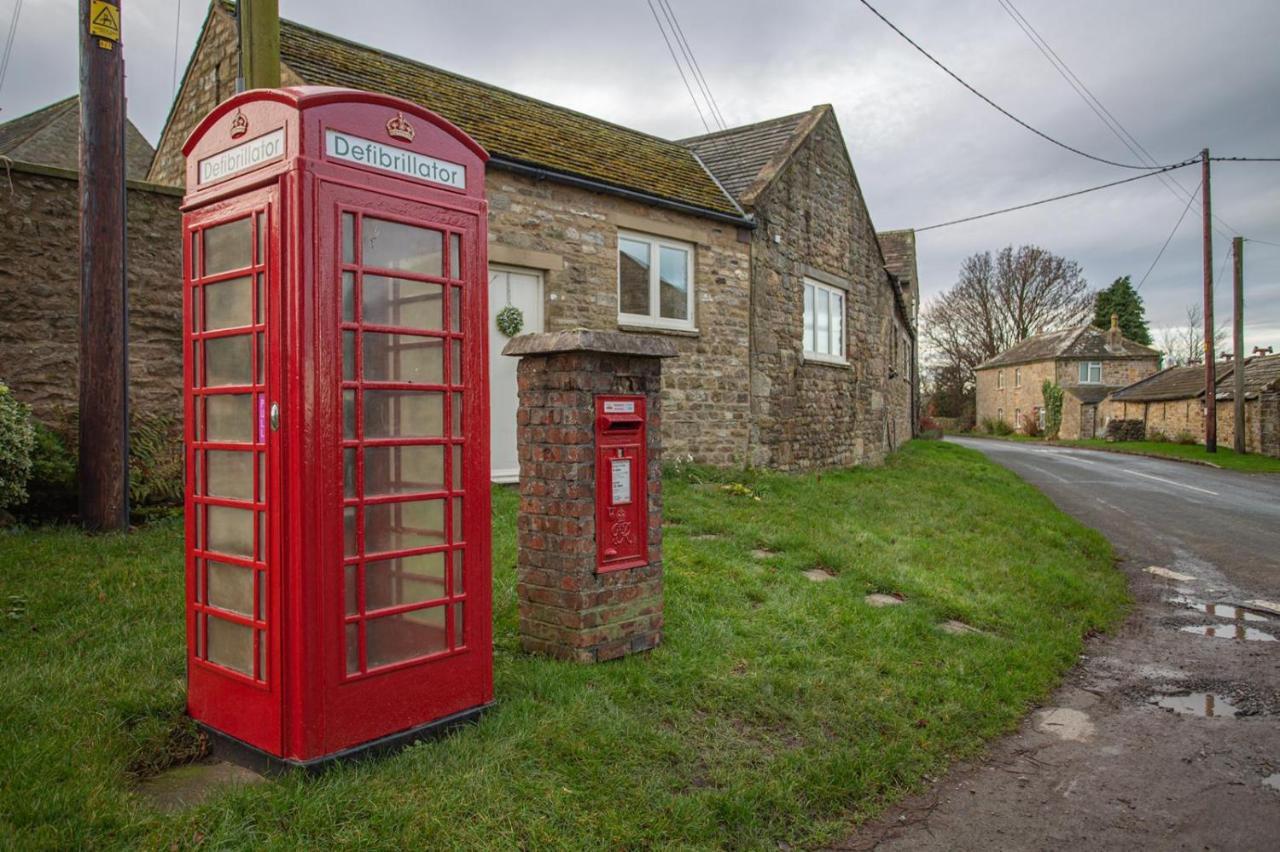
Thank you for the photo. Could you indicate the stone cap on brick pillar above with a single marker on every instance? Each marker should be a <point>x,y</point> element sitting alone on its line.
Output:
<point>585,340</point>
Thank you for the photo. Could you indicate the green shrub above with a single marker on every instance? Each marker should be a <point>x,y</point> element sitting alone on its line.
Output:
<point>1157,435</point>
<point>1185,437</point>
<point>155,469</point>
<point>53,490</point>
<point>17,438</point>
<point>155,461</point>
<point>996,426</point>
<point>1052,394</point>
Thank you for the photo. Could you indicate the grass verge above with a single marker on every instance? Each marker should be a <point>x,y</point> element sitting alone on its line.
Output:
<point>777,709</point>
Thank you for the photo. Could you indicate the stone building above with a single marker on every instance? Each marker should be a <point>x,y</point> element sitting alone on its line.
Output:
<point>1087,362</point>
<point>1171,405</point>
<point>599,226</point>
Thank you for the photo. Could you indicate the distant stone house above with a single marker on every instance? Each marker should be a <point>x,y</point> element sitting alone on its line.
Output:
<point>1171,404</point>
<point>1087,362</point>
<point>753,252</point>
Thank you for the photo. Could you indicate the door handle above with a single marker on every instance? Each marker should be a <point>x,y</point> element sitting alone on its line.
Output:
<point>275,417</point>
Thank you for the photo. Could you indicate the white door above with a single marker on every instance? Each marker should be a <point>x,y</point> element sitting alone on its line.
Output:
<point>522,288</point>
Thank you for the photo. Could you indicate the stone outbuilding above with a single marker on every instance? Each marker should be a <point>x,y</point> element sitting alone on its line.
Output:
<point>751,250</point>
<point>1087,362</point>
<point>1171,405</point>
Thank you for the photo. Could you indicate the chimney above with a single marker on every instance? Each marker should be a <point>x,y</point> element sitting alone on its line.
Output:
<point>1114,338</point>
<point>1258,350</point>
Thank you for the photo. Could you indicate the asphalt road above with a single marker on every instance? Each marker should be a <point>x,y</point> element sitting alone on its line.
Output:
<point>1165,512</point>
<point>1106,762</point>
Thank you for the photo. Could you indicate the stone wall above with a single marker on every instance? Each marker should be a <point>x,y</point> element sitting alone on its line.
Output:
<point>1116,373</point>
<point>1269,424</point>
<point>571,235</point>
<point>1171,418</point>
<point>1177,417</point>
<point>40,291</point>
<point>807,413</point>
<point>1022,391</point>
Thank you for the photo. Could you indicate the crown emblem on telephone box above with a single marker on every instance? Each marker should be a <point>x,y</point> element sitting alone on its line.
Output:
<point>399,127</point>
<point>239,125</point>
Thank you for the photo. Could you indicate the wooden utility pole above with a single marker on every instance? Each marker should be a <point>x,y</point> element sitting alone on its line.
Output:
<point>1210,383</point>
<point>1237,323</point>
<point>103,471</point>
<point>259,22</point>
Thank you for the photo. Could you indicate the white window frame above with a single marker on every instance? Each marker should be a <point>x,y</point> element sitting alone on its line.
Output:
<point>1017,377</point>
<point>999,379</point>
<point>811,354</point>
<point>654,318</point>
<point>1086,372</point>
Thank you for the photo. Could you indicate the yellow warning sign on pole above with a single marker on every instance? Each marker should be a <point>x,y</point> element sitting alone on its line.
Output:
<point>104,20</point>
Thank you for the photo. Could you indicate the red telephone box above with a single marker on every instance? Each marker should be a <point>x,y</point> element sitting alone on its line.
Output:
<point>337,423</point>
<point>622,480</point>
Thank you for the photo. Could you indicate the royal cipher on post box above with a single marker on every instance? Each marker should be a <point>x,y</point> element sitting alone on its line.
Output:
<point>337,422</point>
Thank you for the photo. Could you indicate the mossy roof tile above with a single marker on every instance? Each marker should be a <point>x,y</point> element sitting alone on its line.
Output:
<point>509,125</point>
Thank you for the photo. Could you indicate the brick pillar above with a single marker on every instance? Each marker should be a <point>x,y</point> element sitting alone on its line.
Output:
<point>567,609</point>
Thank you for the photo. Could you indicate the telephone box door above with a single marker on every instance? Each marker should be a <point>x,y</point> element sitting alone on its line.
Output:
<point>404,309</point>
<point>231,310</point>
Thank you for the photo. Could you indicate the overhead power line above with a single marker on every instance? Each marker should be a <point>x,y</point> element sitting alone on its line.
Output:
<point>1106,116</point>
<point>679,67</point>
<point>999,108</point>
<point>1168,239</point>
<point>8,42</point>
<point>1162,170</point>
<point>1244,159</point>
<point>694,68</point>
<point>177,27</point>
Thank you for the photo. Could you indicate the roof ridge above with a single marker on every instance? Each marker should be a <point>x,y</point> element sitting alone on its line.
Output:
<point>474,81</point>
<point>703,137</point>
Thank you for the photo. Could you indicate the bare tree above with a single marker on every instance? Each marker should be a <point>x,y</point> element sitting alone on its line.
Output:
<point>1000,301</point>
<point>1184,344</point>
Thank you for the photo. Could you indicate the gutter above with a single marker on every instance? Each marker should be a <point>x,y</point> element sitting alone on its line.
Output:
<point>596,186</point>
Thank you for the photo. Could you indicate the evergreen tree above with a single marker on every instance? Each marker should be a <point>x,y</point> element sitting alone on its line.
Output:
<point>1121,299</point>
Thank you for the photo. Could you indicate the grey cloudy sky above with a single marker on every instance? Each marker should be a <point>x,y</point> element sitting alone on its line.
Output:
<point>1180,74</point>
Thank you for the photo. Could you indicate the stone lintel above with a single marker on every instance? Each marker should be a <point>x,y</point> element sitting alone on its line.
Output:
<point>583,340</point>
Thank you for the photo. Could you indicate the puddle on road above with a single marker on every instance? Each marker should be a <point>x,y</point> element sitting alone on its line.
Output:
<point>1235,631</point>
<point>1272,781</point>
<point>1234,613</point>
<point>1204,704</point>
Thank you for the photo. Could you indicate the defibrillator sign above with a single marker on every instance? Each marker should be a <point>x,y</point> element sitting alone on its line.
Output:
<point>104,20</point>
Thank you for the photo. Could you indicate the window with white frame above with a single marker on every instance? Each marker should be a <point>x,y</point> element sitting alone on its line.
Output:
<point>1090,372</point>
<point>823,322</point>
<point>1017,377</point>
<point>999,379</point>
<point>655,281</point>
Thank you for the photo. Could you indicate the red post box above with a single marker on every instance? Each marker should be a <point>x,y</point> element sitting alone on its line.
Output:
<point>622,493</point>
<point>337,422</point>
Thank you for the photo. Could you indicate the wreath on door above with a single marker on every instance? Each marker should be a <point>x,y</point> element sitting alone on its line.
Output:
<point>510,321</point>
